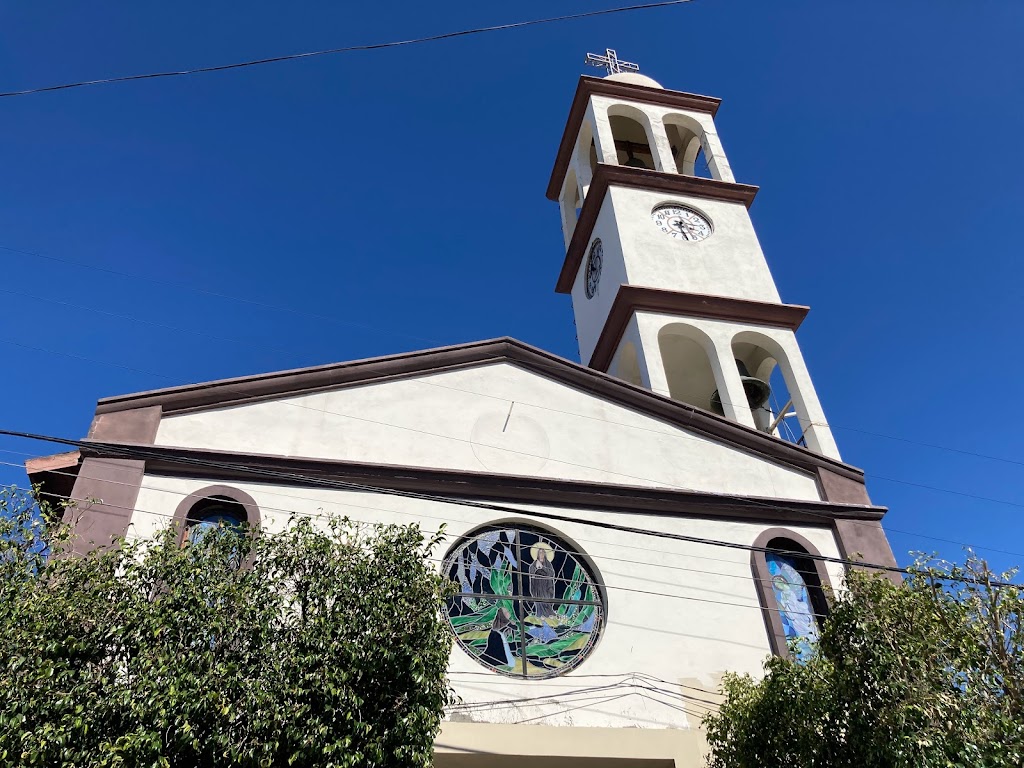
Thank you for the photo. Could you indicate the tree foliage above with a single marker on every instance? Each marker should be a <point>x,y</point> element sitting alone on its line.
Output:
<point>926,673</point>
<point>313,647</point>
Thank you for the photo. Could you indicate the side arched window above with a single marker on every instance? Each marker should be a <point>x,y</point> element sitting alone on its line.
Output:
<point>213,508</point>
<point>790,584</point>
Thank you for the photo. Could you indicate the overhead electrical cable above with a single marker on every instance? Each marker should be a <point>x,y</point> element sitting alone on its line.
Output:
<point>629,476</point>
<point>603,585</point>
<point>139,452</point>
<point>404,513</point>
<point>391,510</point>
<point>345,49</point>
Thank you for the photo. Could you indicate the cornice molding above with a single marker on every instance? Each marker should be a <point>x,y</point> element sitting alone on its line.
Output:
<point>639,178</point>
<point>633,298</point>
<point>225,466</point>
<point>599,86</point>
<point>270,386</point>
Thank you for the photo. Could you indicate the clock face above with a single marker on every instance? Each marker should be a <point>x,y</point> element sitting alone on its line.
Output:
<point>593,276</point>
<point>681,223</point>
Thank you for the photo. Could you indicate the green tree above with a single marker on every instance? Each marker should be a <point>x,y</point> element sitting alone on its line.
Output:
<point>313,647</point>
<point>925,673</point>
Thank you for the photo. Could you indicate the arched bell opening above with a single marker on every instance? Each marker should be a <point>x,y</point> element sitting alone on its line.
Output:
<point>628,366</point>
<point>767,380</point>
<point>685,356</point>
<point>571,203</point>
<point>632,135</point>
<point>686,140</point>
<point>586,153</point>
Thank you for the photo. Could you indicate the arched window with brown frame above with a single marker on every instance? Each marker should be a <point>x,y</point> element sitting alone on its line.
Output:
<point>790,579</point>
<point>214,507</point>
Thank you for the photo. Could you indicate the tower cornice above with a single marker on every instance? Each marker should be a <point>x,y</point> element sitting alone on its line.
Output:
<point>599,86</point>
<point>633,298</point>
<point>639,178</point>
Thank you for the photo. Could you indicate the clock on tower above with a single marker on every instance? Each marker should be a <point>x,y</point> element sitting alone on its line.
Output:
<point>670,288</point>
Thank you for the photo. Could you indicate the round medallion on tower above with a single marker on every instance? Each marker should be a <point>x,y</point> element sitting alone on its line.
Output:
<point>593,275</point>
<point>681,223</point>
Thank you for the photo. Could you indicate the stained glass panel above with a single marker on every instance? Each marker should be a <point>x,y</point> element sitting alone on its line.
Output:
<point>210,522</point>
<point>793,599</point>
<point>527,605</point>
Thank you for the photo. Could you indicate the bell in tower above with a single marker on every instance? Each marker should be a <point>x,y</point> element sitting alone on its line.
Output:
<point>757,391</point>
<point>670,288</point>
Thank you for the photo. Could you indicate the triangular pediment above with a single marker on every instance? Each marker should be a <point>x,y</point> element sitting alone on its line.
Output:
<point>497,406</point>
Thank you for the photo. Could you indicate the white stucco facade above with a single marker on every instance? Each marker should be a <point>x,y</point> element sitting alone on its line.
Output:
<point>681,612</point>
<point>493,418</point>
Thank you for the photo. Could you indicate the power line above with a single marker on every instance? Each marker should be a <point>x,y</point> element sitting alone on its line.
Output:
<point>646,549</point>
<point>345,49</point>
<point>596,582</point>
<point>503,399</point>
<point>563,461</point>
<point>140,452</point>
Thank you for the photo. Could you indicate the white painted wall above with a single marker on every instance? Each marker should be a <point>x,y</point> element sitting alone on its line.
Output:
<point>457,420</point>
<point>630,336</point>
<point>684,613</point>
<point>728,263</point>
<point>591,313</point>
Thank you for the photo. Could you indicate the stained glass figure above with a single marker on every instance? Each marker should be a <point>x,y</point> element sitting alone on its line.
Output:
<point>793,599</point>
<point>211,521</point>
<point>527,606</point>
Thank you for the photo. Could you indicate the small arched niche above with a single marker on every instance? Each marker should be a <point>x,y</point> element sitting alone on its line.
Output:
<point>571,203</point>
<point>586,152</point>
<point>632,135</point>
<point>685,355</point>
<point>762,358</point>
<point>686,140</point>
<point>628,367</point>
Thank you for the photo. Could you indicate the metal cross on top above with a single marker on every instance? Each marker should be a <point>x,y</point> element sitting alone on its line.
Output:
<point>610,61</point>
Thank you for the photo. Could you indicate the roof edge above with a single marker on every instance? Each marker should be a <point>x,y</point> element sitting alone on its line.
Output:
<point>248,389</point>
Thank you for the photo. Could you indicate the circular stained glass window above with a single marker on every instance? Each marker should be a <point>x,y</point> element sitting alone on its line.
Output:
<point>527,604</point>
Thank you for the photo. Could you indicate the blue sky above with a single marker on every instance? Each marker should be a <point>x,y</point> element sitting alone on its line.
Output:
<point>380,202</point>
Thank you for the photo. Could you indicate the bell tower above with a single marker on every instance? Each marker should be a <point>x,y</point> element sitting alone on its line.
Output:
<point>670,288</point>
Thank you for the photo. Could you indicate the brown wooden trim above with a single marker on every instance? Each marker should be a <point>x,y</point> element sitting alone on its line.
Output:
<point>66,460</point>
<point>763,584</point>
<point>181,513</point>
<point>633,298</point>
<point>598,86</point>
<point>866,542</point>
<point>103,500</point>
<point>249,389</point>
<point>327,473</point>
<point>133,425</point>
<point>841,489</point>
<point>638,178</point>
<point>54,475</point>
<point>264,386</point>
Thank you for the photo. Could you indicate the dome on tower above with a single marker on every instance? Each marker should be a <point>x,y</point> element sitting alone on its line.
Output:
<point>634,78</point>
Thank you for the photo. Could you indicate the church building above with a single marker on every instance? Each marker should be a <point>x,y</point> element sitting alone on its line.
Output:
<point>624,529</point>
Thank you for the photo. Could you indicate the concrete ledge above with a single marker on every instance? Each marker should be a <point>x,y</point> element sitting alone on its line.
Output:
<point>499,745</point>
